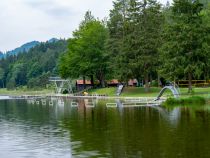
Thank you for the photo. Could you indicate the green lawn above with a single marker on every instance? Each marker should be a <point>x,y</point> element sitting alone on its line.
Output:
<point>104,91</point>
<point>139,92</point>
<point>19,92</point>
<point>127,92</point>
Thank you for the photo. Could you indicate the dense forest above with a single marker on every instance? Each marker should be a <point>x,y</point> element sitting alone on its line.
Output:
<point>140,39</point>
<point>31,68</point>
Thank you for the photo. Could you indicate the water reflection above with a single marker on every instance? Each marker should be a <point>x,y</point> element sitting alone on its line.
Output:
<point>90,129</point>
<point>31,131</point>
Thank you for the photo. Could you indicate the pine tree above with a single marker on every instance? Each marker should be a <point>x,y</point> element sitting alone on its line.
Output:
<point>117,33</point>
<point>185,52</point>
<point>144,24</point>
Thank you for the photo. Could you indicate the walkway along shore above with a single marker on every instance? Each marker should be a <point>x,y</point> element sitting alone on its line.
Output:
<point>128,100</point>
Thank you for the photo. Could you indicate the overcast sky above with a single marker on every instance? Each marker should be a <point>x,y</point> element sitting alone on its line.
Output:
<point>27,20</point>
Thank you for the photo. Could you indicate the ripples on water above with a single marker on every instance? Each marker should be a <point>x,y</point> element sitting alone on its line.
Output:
<point>43,131</point>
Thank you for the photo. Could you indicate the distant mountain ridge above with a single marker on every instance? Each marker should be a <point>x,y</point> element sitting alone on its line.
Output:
<point>1,55</point>
<point>33,68</point>
<point>53,40</point>
<point>25,47</point>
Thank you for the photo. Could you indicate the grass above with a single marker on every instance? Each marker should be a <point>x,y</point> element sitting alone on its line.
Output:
<point>154,91</point>
<point>19,92</point>
<point>140,92</point>
<point>127,92</point>
<point>104,91</point>
<point>193,100</point>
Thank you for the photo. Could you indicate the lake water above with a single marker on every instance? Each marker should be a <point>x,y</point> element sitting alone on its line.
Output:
<point>60,131</point>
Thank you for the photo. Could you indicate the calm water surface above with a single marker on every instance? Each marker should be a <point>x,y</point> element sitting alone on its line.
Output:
<point>51,131</point>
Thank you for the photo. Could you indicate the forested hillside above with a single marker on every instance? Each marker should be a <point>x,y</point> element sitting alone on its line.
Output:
<point>24,48</point>
<point>31,68</point>
<point>1,55</point>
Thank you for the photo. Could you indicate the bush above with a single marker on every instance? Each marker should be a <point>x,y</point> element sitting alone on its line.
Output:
<point>154,83</point>
<point>185,101</point>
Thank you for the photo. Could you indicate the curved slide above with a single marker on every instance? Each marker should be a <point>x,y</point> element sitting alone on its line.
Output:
<point>119,89</point>
<point>172,88</point>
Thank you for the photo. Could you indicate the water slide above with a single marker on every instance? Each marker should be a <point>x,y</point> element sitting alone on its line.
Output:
<point>119,89</point>
<point>172,88</point>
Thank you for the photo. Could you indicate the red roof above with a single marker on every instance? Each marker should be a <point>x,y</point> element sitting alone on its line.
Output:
<point>114,81</point>
<point>131,82</point>
<point>80,82</point>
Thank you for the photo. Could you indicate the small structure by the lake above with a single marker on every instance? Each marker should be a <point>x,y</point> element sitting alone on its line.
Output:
<point>61,85</point>
<point>80,85</point>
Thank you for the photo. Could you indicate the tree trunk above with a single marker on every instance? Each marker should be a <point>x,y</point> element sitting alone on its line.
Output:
<point>102,81</point>
<point>189,82</point>
<point>2,83</point>
<point>84,82</point>
<point>159,82</point>
<point>138,81</point>
<point>146,79</point>
<point>100,77</point>
<point>92,81</point>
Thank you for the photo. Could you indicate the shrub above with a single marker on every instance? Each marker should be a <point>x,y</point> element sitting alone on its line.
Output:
<point>185,101</point>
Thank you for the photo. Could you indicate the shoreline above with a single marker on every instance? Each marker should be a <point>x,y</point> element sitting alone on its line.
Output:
<point>80,97</point>
<point>126,101</point>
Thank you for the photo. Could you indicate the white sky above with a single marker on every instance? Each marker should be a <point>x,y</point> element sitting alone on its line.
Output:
<point>27,20</point>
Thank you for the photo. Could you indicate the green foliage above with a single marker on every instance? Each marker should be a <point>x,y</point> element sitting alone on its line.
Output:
<point>24,48</point>
<point>135,28</point>
<point>87,54</point>
<point>111,91</point>
<point>115,44</point>
<point>39,81</point>
<point>2,77</point>
<point>141,39</point>
<point>185,51</point>
<point>32,68</point>
<point>195,100</point>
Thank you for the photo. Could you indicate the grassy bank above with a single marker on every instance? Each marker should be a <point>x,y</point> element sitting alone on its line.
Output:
<point>19,92</point>
<point>103,91</point>
<point>193,100</point>
<point>127,92</point>
<point>154,91</point>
